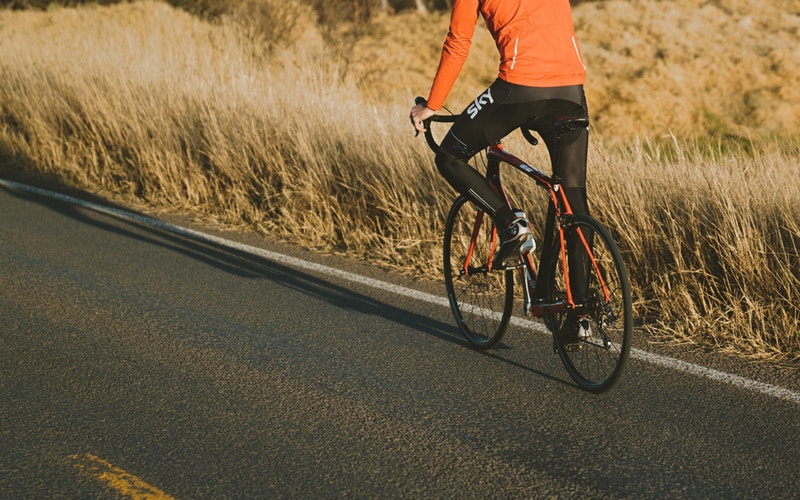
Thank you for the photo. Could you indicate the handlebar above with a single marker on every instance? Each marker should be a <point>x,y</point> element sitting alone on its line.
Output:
<point>427,123</point>
<point>450,119</point>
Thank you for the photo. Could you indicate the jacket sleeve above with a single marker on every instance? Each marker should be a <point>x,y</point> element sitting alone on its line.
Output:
<point>454,51</point>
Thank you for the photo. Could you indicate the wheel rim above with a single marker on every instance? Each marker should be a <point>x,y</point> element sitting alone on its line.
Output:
<point>481,298</point>
<point>604,352</point>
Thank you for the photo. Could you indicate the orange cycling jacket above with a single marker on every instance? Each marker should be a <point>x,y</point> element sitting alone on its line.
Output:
<point>535,38</point>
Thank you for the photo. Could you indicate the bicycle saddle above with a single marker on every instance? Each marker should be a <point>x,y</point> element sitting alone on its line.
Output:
<point>561,115</point>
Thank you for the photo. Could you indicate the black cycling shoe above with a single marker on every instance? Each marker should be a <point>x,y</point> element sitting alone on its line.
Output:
<point>515,239</point>
<point>574,331</point>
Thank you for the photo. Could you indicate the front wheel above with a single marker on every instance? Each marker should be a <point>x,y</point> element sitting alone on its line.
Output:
<point>481,297</point>
<point>597,352</point>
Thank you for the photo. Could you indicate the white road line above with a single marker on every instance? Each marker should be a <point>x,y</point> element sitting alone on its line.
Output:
<point>667,362</point>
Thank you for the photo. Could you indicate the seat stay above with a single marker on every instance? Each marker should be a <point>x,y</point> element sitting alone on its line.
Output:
<point>595,266</point>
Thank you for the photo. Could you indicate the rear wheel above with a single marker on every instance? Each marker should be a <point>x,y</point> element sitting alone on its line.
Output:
<point>481,297</point>
<point>603,306</point>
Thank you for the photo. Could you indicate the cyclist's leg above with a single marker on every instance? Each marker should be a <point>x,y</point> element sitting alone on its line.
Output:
<point>571,166</point>
<point>469,182</point>
<point>482,123</point>
<point>575,189</point>
<point>568,156</point>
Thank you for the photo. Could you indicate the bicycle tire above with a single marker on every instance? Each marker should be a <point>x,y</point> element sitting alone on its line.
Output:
<point>481,298</point>
<point>601,357</point>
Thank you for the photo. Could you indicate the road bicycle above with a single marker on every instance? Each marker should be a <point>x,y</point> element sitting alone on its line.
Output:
<point>481,290</point>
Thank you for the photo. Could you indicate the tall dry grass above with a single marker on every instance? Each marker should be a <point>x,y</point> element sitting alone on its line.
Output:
<point>308,141</point>
<point>712,238</point>
<point>182,114</point>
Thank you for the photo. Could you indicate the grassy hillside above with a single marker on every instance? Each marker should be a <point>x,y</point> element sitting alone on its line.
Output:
<point>724,68</point>
<point>267,120</point>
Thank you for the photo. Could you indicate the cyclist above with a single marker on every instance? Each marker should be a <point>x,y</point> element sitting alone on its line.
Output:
<point>540,78</point>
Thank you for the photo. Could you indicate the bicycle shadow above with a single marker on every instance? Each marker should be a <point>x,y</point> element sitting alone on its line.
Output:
<point>252,266</point>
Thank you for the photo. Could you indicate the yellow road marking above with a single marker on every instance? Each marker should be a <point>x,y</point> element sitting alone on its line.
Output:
<point>123,482</point>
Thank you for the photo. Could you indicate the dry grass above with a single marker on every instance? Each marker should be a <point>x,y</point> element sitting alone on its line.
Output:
<point>281,132</point>
<point>712,239</point>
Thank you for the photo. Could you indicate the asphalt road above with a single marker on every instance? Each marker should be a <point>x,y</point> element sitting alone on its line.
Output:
<point>202,370</point>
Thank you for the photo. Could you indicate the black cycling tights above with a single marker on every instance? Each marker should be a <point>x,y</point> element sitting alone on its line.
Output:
<point>497,112</point>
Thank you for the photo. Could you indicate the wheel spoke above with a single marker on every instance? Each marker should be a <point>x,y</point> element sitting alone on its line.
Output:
<point>598,361</point>
<point>481,299</point>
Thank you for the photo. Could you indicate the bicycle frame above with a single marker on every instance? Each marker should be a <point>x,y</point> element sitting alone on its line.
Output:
<point>497,154</point>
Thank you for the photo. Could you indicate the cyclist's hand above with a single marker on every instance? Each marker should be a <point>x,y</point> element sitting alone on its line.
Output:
<point>420,113</point>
